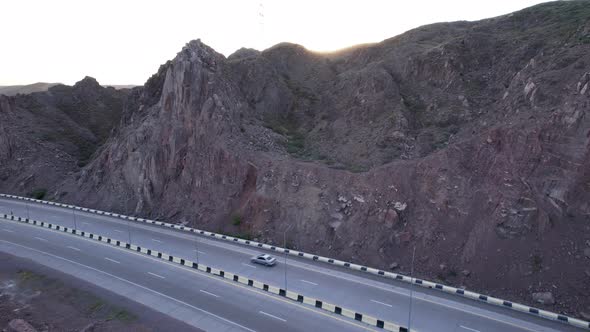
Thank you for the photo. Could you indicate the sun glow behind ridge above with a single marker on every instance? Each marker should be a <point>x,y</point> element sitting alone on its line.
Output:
<point>124,42</point>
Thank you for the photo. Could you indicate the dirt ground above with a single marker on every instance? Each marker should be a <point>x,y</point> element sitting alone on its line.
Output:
<point>52,301</point>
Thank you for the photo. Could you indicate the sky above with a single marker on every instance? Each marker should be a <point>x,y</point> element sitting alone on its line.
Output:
<point>125,41</point>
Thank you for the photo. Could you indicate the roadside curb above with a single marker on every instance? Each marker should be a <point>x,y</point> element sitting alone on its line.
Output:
<point>390,275</point>
<point>319,304</point>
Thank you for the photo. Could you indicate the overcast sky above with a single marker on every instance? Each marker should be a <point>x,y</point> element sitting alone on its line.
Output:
<point>124,42</point>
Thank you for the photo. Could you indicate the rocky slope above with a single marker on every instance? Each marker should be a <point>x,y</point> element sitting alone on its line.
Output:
<point>468,141</point>
<point>47,136</point>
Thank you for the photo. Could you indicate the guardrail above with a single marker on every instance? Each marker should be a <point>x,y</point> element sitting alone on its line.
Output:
<point>317,303</point>
<point>390,275</point>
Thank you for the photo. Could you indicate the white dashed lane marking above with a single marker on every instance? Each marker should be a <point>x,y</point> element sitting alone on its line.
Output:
<point>206,292</point>
<point>309,282</point>
<point>112,260</point>
<point>385,304</point>
<point>273,316</point>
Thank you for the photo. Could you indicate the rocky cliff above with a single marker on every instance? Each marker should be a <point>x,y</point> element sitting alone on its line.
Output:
<point>468,141</point>
<point>46,137</point>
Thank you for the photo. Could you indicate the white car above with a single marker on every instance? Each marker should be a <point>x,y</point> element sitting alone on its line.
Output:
<point>264,259</point>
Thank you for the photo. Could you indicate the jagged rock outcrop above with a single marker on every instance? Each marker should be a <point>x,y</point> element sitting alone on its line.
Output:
<point>466,140</point>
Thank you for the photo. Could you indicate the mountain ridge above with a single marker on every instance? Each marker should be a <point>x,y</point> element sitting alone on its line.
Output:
<point>13,90</point>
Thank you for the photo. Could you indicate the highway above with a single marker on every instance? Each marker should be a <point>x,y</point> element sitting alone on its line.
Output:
<point>199,299</point>
<point>378,297</point>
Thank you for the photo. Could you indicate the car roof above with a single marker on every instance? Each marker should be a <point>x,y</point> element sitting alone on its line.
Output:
<point>264,255</point>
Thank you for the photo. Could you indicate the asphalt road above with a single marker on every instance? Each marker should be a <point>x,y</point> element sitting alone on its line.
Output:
<point>197,298</point>
<point>60,292</point>
<point>387,300</point>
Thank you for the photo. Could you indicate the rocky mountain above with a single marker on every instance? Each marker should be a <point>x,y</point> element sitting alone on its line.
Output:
<point>468,141</point>
<point>47,136</point>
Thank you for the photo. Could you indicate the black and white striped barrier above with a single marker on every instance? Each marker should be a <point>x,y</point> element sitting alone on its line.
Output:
<point>357,316</point>
<point>390,275</point>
